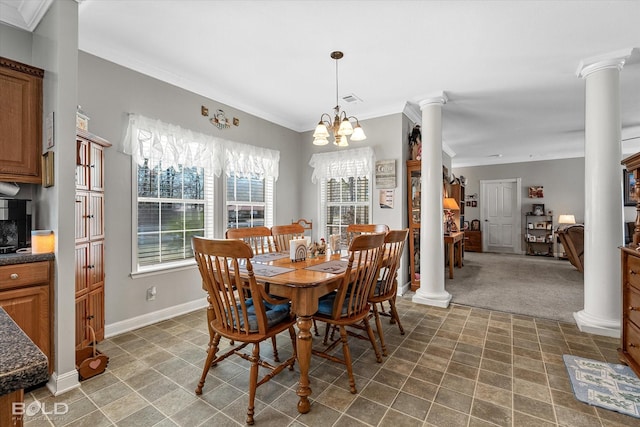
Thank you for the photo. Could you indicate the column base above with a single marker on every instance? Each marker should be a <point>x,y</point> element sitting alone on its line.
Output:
<point>439,299</point>
<point>597,325</point>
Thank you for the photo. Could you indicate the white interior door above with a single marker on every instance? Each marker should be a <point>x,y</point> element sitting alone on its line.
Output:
<point>500,215</point>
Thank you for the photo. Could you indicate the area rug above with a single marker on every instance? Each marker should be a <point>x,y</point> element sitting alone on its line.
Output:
<point>610,386</point>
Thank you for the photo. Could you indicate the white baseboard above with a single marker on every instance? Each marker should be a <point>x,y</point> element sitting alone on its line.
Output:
<point>404,288</point>
<point>127,325</point>
<point>59,384</point>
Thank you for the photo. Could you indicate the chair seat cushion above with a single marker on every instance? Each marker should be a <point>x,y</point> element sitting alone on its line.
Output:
<point>325,305</point>
<point>276,313</point>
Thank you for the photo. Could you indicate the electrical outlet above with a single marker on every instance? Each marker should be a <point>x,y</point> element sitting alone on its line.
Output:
<point>151,293</point>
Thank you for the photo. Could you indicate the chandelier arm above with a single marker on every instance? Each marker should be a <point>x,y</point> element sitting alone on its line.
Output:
<point>327,122</point>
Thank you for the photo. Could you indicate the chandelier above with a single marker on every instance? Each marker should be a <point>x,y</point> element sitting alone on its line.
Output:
<point>341,126</point>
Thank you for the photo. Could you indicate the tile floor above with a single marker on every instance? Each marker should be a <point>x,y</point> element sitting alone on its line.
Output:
<point>458,366</point>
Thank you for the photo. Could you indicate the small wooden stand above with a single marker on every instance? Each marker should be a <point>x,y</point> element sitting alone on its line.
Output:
<point>89,360</point>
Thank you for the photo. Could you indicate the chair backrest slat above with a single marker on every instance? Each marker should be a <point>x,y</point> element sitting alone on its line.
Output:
<point>259,238</point>
<point>283,233</point>
<point>364,256</point>
<point>394,243</point>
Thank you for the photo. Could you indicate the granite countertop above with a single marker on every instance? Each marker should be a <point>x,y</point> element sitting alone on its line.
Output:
<point>9,259</point>
<point>22,364</point>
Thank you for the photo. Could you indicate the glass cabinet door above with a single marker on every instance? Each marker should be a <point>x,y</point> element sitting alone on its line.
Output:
<point>415,196</point>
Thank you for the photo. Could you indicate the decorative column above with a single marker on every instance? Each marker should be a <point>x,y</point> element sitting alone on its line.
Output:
<point>431,291</point>
<point>603,195</point>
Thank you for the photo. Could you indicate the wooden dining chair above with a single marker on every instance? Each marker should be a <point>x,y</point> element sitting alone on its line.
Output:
<point>259,238</point>
<point>350,303</point>
<point>306,224</point>
<point>283,233</point>
<point>243,317</point>
<point>261,241</point>
<point>354,230</point>
<point>386,287</point>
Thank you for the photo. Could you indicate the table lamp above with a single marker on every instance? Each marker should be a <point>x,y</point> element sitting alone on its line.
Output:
<point>449,204</point>
<point>42,242</point>
<point>565,220</point>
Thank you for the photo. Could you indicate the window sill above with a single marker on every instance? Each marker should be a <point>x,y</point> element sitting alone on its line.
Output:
<point>163,269</point>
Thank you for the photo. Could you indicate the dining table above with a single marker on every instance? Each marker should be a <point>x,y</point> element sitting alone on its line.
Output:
<point>303,282</point>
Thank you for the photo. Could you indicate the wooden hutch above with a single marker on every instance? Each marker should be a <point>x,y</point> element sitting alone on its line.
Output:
<point>414,192</point>
<point>629,351</point>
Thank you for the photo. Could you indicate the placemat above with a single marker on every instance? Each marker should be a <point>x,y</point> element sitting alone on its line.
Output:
<point>267,270</point>
<point>271,256</point>
<point>333,266</point>
<point>610,386</point>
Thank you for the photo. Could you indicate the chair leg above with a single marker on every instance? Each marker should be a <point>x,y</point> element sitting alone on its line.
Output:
<point>372,338</point>
<point>326,334</point>
<point>379,328</point>
<point>275,349</point>
<point>253,382</point>
<point>394,314</point>
<point>211,354</point>
<point>294,345</point>
<point>315,329</point>
<point>347,359</point>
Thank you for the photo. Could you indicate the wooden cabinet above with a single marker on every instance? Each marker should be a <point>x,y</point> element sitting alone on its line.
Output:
<point>413,198</point>
<point>473,241</point>
<point>20,122</point>
<point>89,237</point>
<point>26,295</point>
<point>629,351</point>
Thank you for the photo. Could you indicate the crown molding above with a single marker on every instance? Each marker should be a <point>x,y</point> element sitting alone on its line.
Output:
<point>24,14</point>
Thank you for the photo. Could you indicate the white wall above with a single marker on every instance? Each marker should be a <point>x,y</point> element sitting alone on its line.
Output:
<point>563,182</point>
<point>107,92</point>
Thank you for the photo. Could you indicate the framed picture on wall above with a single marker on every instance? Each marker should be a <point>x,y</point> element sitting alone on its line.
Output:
<point>537,209</point>
<point>629,188</point>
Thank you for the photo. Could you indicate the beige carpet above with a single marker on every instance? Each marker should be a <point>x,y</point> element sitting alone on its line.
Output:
<point>534,286</point>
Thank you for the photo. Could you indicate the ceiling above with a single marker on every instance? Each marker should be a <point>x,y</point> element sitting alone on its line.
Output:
<point>508,68</point>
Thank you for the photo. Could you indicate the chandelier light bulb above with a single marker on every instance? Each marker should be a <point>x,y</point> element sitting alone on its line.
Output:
<point>345,127</point>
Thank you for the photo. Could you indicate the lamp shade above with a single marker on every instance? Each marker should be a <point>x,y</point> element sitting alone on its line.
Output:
<point>358,134</point>
<point>345,127</point>
<point>450,203</point>
<point>42,242</point>
<point>319,140</point>
<point>566,219</point>
<point>321,131</point>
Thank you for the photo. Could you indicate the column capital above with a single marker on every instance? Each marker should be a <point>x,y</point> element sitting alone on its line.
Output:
<point>435,98</point>
<point>615,59</point>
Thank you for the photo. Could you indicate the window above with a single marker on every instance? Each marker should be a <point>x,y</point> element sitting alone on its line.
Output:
<point>249,201</point>
<point>171,209</point>
<point>251,174</point>
<point>346,202</point>
<point>174,177</point>
<point>344,179</point>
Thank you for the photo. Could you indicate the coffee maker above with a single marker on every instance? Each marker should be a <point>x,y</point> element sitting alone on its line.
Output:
<point>15,225</point>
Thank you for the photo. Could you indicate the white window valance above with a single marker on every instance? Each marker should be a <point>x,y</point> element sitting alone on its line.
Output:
<point>249,161</point>
<point>341,164</point>
<point>154,141</point>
